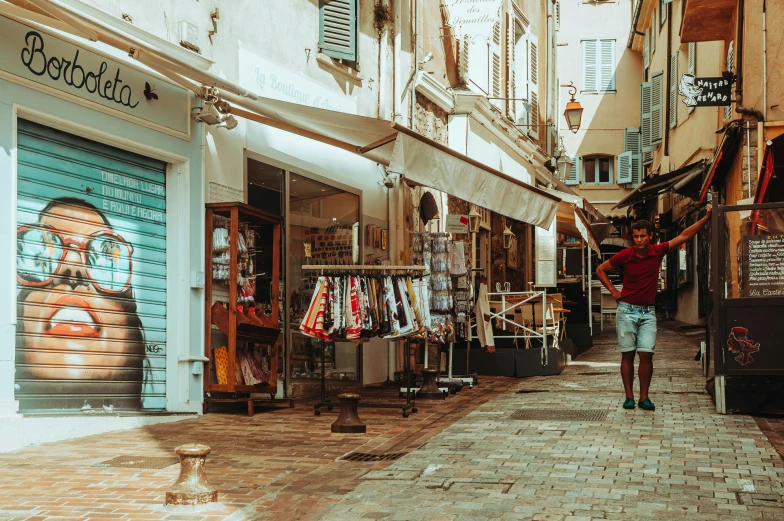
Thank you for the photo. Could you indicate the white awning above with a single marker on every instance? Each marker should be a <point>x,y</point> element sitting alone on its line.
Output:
<point>404,151</point>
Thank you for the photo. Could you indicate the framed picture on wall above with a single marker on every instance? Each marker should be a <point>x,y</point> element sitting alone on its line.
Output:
<point>369,237</point>
<point>376,237</point>
<point>512,259</point>
<point>384,233</point>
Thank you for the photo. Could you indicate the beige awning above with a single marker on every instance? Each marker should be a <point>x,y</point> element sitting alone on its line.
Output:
<point>402,150</point>
<point>594,227</point>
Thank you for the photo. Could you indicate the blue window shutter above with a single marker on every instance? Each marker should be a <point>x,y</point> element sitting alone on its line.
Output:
<point>590,66</point>
<point>625,168</point>
<point>657,112</point>
<point>574,177</point>
<point>338,21</point>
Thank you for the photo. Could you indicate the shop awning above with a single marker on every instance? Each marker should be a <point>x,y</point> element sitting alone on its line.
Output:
<point>723,160</point>
<point>655,185</point>
<point>388,143</point>
<point>566,218</point>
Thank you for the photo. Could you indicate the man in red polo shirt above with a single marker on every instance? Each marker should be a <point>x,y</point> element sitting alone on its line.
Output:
<point>635,318</point>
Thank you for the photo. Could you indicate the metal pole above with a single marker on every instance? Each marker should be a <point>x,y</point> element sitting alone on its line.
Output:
<point>451,345</point>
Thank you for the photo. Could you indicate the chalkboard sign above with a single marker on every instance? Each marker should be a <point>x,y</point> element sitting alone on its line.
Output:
<point>763,266</point>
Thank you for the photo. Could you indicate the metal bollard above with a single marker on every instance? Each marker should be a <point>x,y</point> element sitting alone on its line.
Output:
<point>348,420</point>
<point>192,487</point>
<point>429,389</point>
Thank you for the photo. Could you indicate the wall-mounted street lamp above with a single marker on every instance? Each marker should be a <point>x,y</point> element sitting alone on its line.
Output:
<point>574,111</point>
<point>564,162</point>
<point>473,221</point>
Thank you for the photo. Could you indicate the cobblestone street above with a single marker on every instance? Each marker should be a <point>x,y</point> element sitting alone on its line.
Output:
<point>467,458</point>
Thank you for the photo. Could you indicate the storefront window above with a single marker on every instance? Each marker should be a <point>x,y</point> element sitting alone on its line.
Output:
<point>323,230</point>
<point>754,259</point>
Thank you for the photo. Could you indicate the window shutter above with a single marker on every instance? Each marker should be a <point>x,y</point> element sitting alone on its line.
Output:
<point>645,115</point>
<point>338,28</point>
<point>632,144</point>
<point>730,68</point>
<point>511,91</point>
<point>495,64</point>
<point>607,68</point>
<point>674,89</point>
<point>574,177</point>
<point>590,66</point>
<point>557,15</point>
<point>662,13</point>
<point>646,49</point>
<point>692,64</point>
<point>625,168</point>
<point>463,59</point>
<point>479,63</point>
<point>533,84</point>
<point>637,169</point>
<point>657,121</point>
<point>652,29</point>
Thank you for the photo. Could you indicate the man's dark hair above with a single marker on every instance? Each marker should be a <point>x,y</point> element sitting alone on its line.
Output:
<point>642,224</point>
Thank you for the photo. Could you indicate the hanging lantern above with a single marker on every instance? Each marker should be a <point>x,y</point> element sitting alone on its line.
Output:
<point>473,221</point>
<point>508,236</point>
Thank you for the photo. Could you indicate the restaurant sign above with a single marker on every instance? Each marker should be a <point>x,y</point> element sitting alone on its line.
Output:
<point>64,68</point>
<point>705,92</point>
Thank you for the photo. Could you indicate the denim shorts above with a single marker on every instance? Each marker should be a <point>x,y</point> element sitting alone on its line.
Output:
<point>636,327</point>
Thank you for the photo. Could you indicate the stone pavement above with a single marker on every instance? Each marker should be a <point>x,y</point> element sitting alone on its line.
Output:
<point>682,461</point>
<point>466,458</point>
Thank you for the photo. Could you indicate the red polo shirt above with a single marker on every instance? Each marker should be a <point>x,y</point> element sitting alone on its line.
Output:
<point>640,274</point>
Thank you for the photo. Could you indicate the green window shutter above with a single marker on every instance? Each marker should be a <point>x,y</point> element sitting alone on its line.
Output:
<point>632,144</point>
<point>646,49</point>
<point>657,114</point>
<point>645,115</point>
<point>590,66</point>
<point>625,168</point>
<point>674,89</point>
<point>692,64</point>
<point>631,140</point>
<point>574,176</point>
<point>338,21</point>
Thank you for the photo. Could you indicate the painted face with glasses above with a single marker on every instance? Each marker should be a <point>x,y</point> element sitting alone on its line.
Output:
<point>77,318</point>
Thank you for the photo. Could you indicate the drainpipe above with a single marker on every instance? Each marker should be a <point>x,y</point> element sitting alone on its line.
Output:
<point>669,80</point>
<point>764,60</point>
<point>635,20</point>
<point>739,108</point>
<point>415,28</point>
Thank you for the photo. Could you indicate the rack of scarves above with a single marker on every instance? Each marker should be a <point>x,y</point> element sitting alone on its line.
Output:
<point>357,303</point>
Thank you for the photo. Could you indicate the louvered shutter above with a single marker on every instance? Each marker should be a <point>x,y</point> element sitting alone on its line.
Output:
<point>674,89</point>
<point>495,64</point>
<point>625,168</point>
<point>590,66</point>
<point>645,115</point>
<point>657,114</point>
<point>574,177</point>
<point>511,91</point>
<point>662,13</point>
<point>558,15</point>
<point>631,144</point>
<point>692,66</point>
<point>463,59</point>
<point>533,84</point>
<point>730,68</point>
<point>607,65</point>
<point>646,49</point>
<point>338,28</point>
<point>654,32</point>
<point>479,63</point>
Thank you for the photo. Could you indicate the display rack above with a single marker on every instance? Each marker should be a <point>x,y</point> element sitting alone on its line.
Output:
<point>410,404</point>
<point>235,261</point>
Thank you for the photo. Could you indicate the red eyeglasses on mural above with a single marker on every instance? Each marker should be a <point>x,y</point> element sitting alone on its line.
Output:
<point>77,317</point>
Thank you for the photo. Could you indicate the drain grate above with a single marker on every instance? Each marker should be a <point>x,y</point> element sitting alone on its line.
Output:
<point>571,415</point>
<point>139,462</point>
<point>366,457</point>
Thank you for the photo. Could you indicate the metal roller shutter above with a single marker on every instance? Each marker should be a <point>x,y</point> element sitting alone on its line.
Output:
<point>91,275</point>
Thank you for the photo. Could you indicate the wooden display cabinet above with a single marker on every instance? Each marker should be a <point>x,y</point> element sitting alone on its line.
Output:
<point>242,268</point>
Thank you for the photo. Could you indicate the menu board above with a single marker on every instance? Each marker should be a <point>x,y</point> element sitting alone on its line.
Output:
<point>763,266</point>
<point>545,244</point>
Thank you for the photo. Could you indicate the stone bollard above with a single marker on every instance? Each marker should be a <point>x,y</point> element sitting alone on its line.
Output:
<point>192,487</point>
<point>348,420</point>
<point>429,389</point>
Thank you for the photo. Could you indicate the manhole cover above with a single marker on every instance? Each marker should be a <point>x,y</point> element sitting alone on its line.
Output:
<point>139,462</point>
<point>572,415</point>
<point>364,456</point>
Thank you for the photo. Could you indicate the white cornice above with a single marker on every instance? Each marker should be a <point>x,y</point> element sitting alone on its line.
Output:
<point>171,49</point>
<point>427,85</point>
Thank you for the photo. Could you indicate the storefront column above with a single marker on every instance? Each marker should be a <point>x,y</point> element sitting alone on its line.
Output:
<point>8,405</point>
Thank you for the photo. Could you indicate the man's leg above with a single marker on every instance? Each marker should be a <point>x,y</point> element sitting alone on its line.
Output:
<point>627,373</point>
<point>645,373</point>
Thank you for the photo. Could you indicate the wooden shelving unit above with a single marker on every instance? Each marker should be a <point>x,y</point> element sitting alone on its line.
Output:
<point>253,269</point>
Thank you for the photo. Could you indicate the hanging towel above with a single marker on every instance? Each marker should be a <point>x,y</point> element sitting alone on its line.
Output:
<point>484,326</point>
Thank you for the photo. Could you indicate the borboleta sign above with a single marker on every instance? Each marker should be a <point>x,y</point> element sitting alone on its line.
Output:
<point>473,17</point>
<point>34,55</point>
<point>705,92</point>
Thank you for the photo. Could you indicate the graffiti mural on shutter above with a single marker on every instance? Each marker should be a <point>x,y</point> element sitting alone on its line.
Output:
<point>91,275</point>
